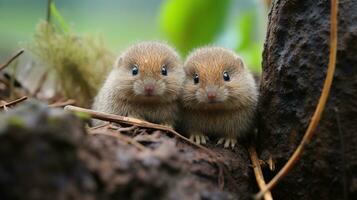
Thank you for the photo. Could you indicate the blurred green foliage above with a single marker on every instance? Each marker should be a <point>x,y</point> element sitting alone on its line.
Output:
<point>249,45</point>
<point>192,23</point>
<point>57,15</point>
<point>78,63</point>
<point>245,28</point>
<point>186,24</point>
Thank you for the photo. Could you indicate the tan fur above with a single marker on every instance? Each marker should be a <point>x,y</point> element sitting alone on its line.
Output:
<point>232,115</point>
<point>123,93</point>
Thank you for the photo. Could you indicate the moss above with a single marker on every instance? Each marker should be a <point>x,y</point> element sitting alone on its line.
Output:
<point>82,115</point>
<point>78,63</point>
<point>16,121</point>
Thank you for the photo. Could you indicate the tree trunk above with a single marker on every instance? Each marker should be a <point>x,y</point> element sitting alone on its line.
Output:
<point>295,61</point>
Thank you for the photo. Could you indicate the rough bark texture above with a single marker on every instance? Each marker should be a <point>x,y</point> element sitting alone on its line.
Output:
<point>295,60</point>
<point>47,154</point>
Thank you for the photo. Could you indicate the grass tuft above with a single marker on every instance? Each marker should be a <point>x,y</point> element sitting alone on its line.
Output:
<point>79,64</point>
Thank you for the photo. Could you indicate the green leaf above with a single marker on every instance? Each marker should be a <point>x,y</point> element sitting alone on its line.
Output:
<point>57,15</point>
<point>245,29</point>
<point>249,45</point>
<point>16,121</point>
<point>253,56</point>
<point>192,23</point>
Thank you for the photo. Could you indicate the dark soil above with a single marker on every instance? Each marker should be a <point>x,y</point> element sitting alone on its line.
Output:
<point>47,154</point>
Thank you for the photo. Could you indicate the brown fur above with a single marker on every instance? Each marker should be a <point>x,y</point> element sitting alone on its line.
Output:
<point>123,93</point>
<point>232,114</point>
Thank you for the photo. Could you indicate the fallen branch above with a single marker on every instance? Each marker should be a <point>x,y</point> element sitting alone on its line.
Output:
<point>258,172</point>
<point>11,103</point>
<point>319,108</point>
<point>215,158</point>
<point>10,60</point>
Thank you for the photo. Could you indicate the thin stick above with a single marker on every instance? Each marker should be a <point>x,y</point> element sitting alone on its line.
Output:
<point>118,135</point>
<point>62,104</point>
<point>127,129</point>
<point>271,163</point>
<point>135,122</point>
<point>131,121</point>
<point>258,172</point>
<point>12,58</point>
<point>98,127</point>
<point>5,107</point>
<point>320,106</point>
<point>40,83</point>
<point>16,101</point>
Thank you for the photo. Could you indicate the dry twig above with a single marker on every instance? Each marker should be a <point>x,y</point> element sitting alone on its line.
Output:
<point>319,108</point>
<point>98,127</point>
<point>258,172</point>
<point>271,163</point>
<point>133,121</point>
<point>5,107</point>
<point>11,103</point>
<point>62,103</point>
<point>117,134</point>
<point>40,84</point>
<point>127,129</point>
<point>8,62</point>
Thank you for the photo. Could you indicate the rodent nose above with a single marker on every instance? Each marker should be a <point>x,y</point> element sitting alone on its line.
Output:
<point>149,88</point>
<point>211,95</point>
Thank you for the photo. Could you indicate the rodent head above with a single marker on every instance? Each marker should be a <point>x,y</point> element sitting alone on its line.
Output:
<point>216,79</point>
<point>149,72</point>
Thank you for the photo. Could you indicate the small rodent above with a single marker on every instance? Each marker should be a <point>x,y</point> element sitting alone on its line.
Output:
<point>219,96</point>
<point>145,83</point>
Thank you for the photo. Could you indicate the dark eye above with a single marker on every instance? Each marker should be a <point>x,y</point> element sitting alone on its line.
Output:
<point>164,70</point>
<point>226,76</point>
<point>135,70</point>
<point>196,79</point>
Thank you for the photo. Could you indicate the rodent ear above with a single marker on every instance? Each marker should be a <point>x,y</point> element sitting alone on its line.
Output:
<point>190,71</point>
<point>240,61</point>
<point>119,62</point>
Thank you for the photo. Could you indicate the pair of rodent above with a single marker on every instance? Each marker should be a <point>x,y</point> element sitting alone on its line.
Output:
<point>211,93</point>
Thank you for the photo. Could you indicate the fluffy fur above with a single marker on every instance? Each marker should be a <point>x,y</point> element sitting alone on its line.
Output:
<point>123,93</point>
<point>233,110</point>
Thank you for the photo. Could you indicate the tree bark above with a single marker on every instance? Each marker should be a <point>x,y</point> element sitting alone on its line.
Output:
<point>295,61</point>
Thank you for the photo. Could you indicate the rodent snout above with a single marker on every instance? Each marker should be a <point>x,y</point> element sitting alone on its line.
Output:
<point>149,89</point>
<point>211,95</point>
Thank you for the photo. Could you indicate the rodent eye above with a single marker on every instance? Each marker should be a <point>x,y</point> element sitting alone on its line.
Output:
<point>196,79</point>
<point>135,70</point>
<point>226,76</point>
<point>164,70</point>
